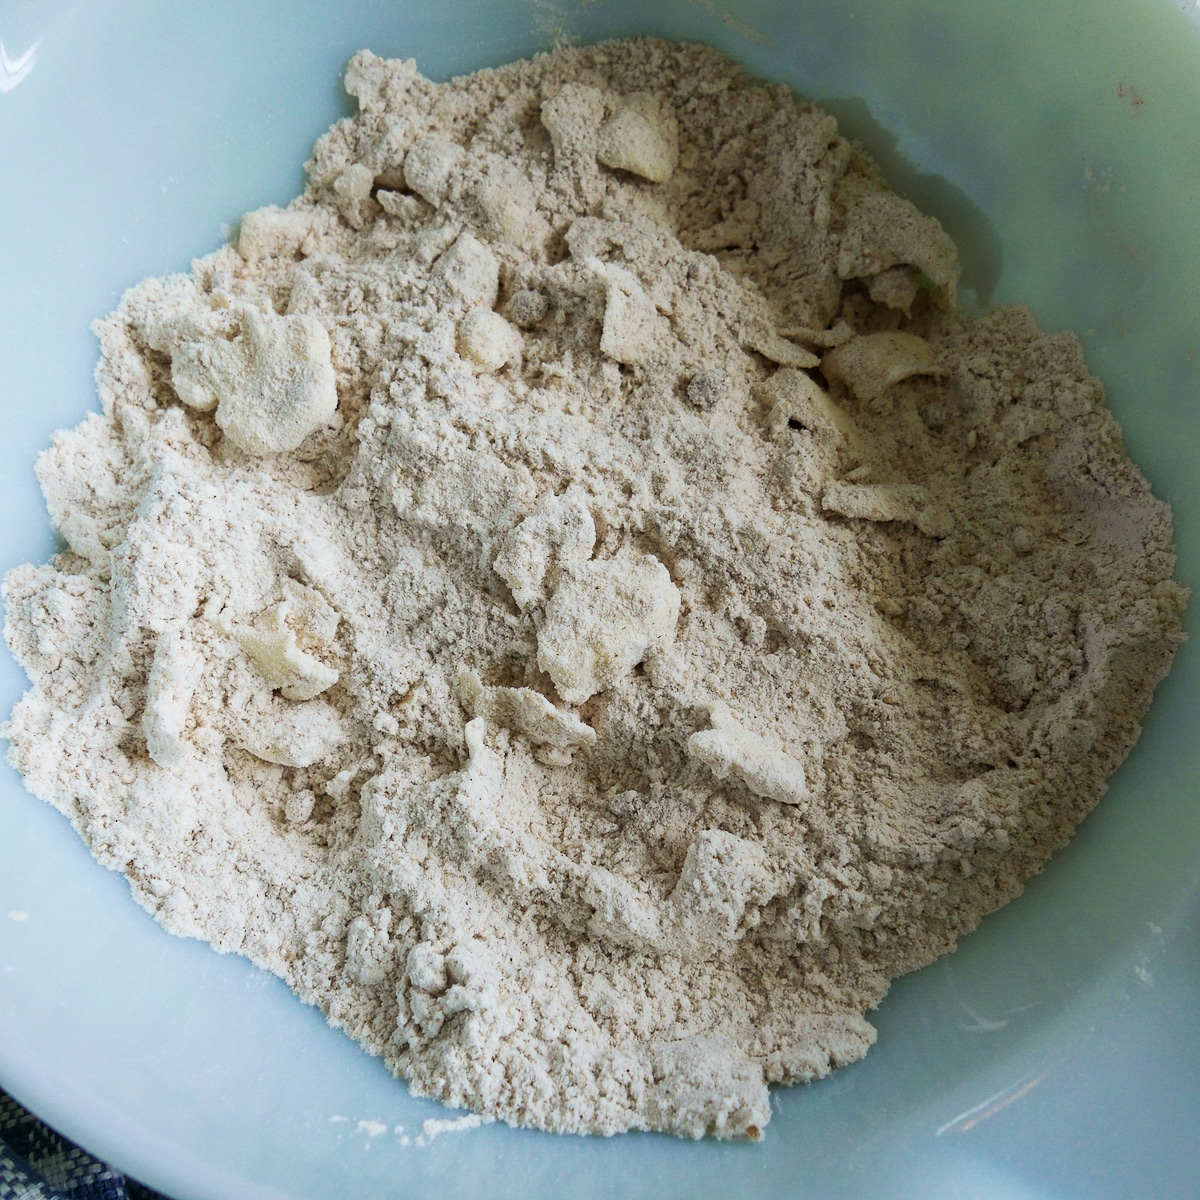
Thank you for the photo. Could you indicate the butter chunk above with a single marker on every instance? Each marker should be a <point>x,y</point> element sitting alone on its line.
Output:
<point>506,203</point>
<point>469,272</point>
<point>573,117</point>
<point>883,230</point>
<point>367,948</point>
<point>889,502</point>
<point>528,713</point>
<point>488,340</point>
<point>559,530</point>
<point>875,501</point>
<point>779,350</point>
<point>729,748</point>
<point>794,396</point>
<point>272,384</point>
<point>275,643</point>
<point>429,167</point>
<point>631,322</point>
<point>721,875</point>
<point>639,138</point>
<point>602,619</point>
<point>272,231</point>
<point>352,191</point>
<point>871,364</point>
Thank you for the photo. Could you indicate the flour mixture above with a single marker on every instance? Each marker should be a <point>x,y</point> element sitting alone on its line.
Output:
<point>572,596</point>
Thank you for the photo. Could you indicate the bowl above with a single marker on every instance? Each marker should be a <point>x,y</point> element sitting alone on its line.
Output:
<point>1054,1055</point>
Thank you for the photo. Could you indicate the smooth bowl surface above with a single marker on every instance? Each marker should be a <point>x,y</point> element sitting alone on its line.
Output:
<point>1055,1054</point>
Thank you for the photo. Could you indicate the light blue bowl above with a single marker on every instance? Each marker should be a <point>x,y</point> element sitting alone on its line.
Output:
<point>1055,1055</point>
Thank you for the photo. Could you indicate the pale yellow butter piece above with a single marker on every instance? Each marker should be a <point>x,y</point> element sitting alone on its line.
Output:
<point>601,621</point>
<point>729,748</point>
<point>639,138</point>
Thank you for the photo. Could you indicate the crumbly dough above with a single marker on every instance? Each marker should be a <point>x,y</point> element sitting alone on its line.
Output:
<point>572,596</point>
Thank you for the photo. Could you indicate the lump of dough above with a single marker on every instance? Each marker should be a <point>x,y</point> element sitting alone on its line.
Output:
<point>527,308</point>
<point>602,619</point>
<point>272,384</point>
<point>729,748</point>
<point>640,138</point>
<point>871,364</point>
<point>274,642</point>
<point>488,340</point>
<point>559,530</point>
<point>707,389</point>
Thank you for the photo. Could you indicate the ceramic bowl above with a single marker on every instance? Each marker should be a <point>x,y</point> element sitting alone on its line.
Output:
<point>1055,1054</point>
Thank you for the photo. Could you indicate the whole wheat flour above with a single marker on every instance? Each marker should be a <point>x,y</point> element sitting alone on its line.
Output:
<point>572,596</point>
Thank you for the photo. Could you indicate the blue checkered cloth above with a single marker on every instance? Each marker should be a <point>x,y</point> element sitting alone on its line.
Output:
<point>37,1164</point>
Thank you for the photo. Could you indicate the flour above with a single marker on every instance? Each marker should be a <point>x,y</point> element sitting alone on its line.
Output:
<point>572,596</point>
<point>435,1127</point>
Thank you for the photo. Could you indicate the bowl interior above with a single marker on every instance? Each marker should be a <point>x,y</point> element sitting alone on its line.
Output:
<point>1048,1055</point>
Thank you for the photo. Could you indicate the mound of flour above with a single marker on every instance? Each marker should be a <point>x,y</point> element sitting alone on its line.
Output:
<point>572,596</point>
